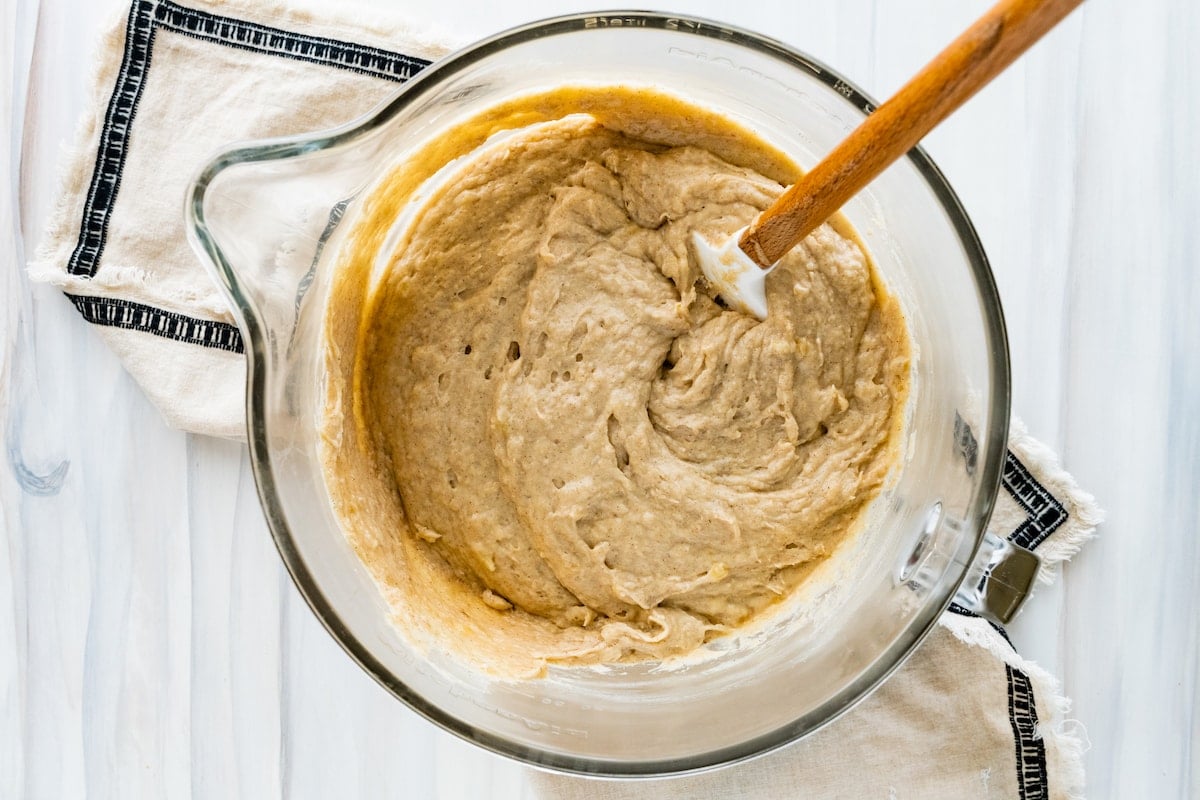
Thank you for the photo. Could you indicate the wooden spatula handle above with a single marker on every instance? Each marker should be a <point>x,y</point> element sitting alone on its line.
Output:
<point>973,59</point>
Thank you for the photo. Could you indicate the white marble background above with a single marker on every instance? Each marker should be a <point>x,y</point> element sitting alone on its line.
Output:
<point>152,646</point>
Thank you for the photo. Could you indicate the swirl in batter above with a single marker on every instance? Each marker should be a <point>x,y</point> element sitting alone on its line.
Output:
<point>567,450</point>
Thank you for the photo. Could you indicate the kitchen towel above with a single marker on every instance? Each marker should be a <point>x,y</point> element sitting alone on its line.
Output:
<point>966,716</point>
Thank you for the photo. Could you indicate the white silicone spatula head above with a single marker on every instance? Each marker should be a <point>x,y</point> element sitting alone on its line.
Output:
<point>733,275</point>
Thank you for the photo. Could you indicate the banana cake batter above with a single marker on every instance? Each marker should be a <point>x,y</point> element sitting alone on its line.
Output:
<point>546,438</point>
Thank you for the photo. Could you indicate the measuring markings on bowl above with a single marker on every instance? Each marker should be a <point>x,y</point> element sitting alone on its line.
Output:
<point>614,22</point>
<point>696,26</point>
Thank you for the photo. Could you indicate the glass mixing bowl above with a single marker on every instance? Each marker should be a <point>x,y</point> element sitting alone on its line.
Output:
<point>270,218</point>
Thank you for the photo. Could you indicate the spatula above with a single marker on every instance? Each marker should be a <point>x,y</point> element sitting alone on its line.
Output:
<point>737,268</point>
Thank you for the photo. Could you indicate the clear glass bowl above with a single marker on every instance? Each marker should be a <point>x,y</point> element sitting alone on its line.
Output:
<point>270,218</point>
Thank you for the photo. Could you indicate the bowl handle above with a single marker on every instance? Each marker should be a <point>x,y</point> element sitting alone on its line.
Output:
<point>999,580</point>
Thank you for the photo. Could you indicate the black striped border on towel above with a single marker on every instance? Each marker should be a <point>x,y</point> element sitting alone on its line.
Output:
<point>1044,515</point>
<point>146,18</point>
<point>113,313</point>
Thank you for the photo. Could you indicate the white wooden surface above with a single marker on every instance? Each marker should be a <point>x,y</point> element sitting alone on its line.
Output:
<point>152,646</point>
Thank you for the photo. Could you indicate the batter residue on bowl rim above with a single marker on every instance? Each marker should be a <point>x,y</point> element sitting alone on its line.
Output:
<point>544,437</point>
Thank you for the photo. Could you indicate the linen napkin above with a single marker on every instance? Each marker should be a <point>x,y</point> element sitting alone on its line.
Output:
<point>966,716</point>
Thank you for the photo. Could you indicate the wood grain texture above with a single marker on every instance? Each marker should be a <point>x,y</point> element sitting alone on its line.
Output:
<point>152,646</point>
<point>976,56</point>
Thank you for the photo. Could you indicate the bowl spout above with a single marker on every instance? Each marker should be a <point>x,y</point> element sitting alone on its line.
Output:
<point>262,217</point>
